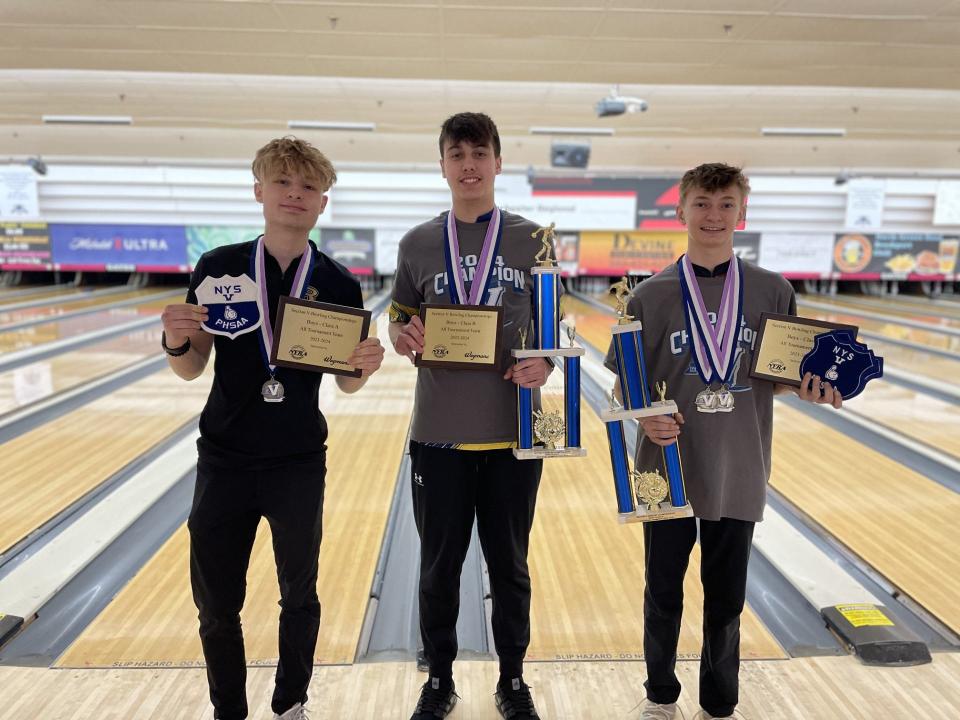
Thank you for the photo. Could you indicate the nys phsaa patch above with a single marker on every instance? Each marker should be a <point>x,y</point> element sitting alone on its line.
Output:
<point>233,305</point>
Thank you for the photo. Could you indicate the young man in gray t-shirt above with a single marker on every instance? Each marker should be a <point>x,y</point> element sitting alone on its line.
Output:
<point>724,430</point>
<point>465,421</point>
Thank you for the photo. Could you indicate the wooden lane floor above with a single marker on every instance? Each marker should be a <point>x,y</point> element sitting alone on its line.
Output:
<point>913,414</point>
<point>53,465</point>
<point>29,293</point>
<point>62,329</point>
<point>587,569</point>
<point>154,621</point>
<point>53,309</point>
<point>821,688</point>
<point>887,328</point>
<point>907,307</point>
<point>39,380</point>
<point>592,324</point>
<point>902,524</point>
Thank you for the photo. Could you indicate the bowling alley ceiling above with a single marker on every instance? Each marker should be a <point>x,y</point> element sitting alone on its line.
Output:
<point>212,79</point>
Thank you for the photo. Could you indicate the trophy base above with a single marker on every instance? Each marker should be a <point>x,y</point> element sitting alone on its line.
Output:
<point>666,511</point>
<point>542,453</point>
<point>660,407</point>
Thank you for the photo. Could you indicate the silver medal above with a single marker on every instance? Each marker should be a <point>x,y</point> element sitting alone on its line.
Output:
<point>272,391</point>
<point>724,398</point>
<point>706,401</point>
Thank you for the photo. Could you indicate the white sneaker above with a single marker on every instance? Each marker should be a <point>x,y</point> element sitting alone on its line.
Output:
<point>297,712</point>
<point>704,715</point>
<point>656,711</point>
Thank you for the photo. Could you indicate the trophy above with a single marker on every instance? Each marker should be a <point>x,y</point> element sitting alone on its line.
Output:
<point>642,495</point>
<point>556,435</point>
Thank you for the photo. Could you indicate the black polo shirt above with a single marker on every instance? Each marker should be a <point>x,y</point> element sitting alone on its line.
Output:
<point>238,429</point>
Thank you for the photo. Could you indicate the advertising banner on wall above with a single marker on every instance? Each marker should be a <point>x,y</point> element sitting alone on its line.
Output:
<point>570,206</point>
<point>654,199</point>
<point>567,248</point>
<point>18,193</point>
<point>201,238</point>
<point>797,255</point>
<point>913,256</point>
<point>629,252</point>
<point>353,247</point>
<point>25,246</point>
<point>126,248</point>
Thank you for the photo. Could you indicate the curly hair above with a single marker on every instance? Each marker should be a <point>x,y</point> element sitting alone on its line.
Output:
<point>292,155</point>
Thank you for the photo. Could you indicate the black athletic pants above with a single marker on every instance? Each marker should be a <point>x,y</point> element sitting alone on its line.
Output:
<point>725,551</point>
<point>450,487</point>
<point>227,507</point>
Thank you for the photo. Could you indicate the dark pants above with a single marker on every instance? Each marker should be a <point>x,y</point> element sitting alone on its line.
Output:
<point>725,551</point>
<point>227,507</point>
<point>450,487</point>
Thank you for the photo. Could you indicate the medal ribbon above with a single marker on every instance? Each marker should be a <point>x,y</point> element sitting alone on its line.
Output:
<point>713,345</point>
<point>259,272</point>
<point>485,263</point>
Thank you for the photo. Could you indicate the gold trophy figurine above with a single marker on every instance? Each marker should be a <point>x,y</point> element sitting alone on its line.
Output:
<point>543,258</point>
<point>621,290</point>
<point>523,338</point>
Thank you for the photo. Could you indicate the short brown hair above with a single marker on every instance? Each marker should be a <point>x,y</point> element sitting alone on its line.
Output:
<point>292,155</point>
<point>713,177</point>
<point>475,128</point>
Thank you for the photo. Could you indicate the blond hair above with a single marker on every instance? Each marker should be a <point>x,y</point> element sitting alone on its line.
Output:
<point>292,155</point>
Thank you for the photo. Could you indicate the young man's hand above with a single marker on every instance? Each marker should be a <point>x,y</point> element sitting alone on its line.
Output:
<point>812,389</point>
<point>367,356</point>
<point>529,372</point>
<point>181,320</point>
<point>410,338</point>
<point>662,430</point>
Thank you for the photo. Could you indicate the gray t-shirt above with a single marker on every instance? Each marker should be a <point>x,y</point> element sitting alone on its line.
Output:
<point>468,407</point>
<point>726,456</point>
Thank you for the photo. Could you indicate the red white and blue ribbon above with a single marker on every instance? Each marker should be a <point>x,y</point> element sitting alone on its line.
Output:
<point>456,277</point>
<point>259,272</point>
<point>714,346</point>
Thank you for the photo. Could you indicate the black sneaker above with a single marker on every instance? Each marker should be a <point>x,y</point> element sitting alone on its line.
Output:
<point>514,701</point>
<point>435,702</point>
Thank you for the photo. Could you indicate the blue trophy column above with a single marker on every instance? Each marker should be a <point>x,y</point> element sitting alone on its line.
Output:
<point>525,417</point>
<point>571,399</point>
<point>671,462</point>
<point>546,286</point>
<point>631,367</point>
<point>621,467</point>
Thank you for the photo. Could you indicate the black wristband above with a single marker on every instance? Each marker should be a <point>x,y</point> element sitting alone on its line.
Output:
<point>177,351</point>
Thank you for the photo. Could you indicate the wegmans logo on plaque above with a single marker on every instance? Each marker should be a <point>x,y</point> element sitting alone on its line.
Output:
<point>233,305</point>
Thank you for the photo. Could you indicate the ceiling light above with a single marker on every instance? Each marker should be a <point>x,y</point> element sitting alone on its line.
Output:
<point>324,125</point>
<point>803,132</point>
<point>88,119</point>
<point>571,131</point>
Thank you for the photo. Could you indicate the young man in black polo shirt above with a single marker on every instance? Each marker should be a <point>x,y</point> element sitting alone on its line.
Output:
<point>261,447</point>
<point>464,421</point>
